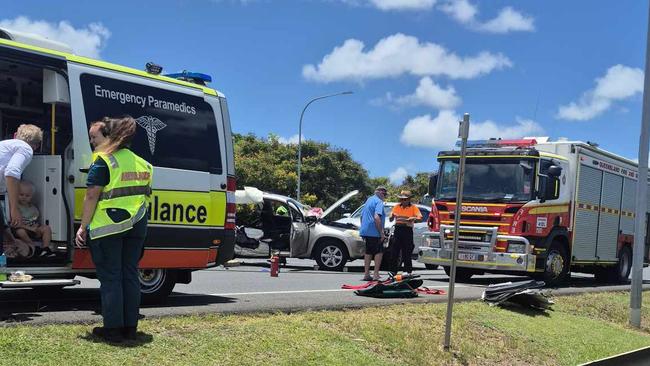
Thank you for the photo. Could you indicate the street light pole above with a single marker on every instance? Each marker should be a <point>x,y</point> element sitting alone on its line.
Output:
<point>641,195</point>
<point>300,133</point>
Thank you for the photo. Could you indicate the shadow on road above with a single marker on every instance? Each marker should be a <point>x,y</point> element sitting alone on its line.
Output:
<point>25,305</point>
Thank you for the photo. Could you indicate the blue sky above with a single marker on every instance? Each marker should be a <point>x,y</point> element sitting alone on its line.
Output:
<point>547,68</point>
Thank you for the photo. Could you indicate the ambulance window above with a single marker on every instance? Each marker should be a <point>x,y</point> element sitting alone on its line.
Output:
<point>175,130</point>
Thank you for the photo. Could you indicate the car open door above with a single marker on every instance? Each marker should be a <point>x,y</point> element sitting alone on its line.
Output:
<point>299,238</point>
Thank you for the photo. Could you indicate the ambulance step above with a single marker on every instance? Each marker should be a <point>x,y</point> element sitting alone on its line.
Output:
<point>39,283</point>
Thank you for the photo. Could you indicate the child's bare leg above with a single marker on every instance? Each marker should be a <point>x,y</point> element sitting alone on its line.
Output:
<point>45,232</point>
<point>22,235</point>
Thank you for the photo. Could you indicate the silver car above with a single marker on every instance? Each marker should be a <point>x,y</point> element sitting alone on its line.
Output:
<point>297,231</point>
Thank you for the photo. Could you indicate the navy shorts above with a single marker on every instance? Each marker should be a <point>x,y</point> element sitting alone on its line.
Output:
<point>373,245</point>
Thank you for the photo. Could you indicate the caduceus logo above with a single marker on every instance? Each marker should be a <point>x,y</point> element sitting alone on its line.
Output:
<point>151,125</point>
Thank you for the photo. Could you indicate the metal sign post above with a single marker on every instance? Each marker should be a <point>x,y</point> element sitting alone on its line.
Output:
<point>463,133</point>
<point>641,197</point>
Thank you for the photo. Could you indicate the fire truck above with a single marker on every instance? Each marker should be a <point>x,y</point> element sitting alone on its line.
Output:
<point>535,207</point>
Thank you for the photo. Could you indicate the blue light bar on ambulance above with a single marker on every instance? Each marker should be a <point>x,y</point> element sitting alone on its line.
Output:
<point>496,143</point>
<point>192,77</point>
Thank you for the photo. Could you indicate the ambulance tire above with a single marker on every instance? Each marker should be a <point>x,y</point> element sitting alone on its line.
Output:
<point>462,274</point>
<point>331,255</point>
<point>556,267</point>
<point>156,285</point>
<point>619,273</point>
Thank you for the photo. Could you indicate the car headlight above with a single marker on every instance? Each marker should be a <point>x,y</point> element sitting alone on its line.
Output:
<point>516,247</point>
<point>431,241</point>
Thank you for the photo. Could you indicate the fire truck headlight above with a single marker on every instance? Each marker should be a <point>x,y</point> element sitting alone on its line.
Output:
<point>516,247</point>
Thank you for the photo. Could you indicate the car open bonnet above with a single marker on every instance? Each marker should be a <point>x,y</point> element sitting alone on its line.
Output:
<point>339,203</point>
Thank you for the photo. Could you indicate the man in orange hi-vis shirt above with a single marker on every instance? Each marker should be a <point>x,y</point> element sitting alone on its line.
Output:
<point>405,214</point>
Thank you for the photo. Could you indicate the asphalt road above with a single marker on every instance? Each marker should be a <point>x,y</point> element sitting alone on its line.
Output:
<point>249,288</point>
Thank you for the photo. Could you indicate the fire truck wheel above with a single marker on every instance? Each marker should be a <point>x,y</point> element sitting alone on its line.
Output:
<point>619,273</point>
<point>156,284</point>
<point>624,265</point>
<point>462,274</point>
<point>331,255</point>
<point>556,269</point>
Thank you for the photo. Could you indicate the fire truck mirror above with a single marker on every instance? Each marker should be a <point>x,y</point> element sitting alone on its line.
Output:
<point>549,188</point>
<point>433,182</point>
<point>554,171</point>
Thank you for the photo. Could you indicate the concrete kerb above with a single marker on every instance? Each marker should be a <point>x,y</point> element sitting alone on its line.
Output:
<point>639,357</point>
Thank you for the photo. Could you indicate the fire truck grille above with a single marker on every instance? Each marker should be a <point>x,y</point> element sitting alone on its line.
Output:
<point>469,236</point>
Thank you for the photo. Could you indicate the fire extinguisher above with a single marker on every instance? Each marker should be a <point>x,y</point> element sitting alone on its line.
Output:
<point>275,266</point>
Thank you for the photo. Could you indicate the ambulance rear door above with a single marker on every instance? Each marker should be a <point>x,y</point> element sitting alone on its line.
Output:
<point>180,132</point>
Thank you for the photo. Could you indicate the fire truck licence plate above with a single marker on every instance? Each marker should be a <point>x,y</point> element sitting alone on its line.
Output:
<point>467,256</point>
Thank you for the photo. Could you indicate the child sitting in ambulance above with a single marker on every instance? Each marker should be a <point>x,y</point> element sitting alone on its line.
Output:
<point>31,228</point>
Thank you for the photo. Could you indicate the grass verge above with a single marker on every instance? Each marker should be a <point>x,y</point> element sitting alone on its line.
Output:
<point>580,328</point>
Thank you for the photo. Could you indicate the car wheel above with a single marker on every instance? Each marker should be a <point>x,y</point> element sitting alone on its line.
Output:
<point>331,255</point>
<point>156,284</point>
<point>556,267</point>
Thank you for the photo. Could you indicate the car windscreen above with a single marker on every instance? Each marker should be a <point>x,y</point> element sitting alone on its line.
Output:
<point>488,180</point>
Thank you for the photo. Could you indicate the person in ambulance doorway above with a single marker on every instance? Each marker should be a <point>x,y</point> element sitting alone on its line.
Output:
<point>15,155</point>
<point>405,214</point>
<point>114,224</point>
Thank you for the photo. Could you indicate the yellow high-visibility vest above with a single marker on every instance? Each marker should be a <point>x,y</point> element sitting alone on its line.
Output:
<point>129,189</point>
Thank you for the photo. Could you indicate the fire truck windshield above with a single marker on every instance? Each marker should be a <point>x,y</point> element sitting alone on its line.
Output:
<point>488,180</point>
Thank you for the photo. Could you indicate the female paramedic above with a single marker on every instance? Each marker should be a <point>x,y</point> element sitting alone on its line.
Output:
<point>115,220</point>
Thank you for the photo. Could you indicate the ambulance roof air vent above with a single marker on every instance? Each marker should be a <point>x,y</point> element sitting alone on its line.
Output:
<point>34,40</point>
<point>192,77</point>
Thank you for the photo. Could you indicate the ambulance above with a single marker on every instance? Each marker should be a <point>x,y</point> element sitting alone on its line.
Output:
<point>535,207</point>
<point>183,131</point>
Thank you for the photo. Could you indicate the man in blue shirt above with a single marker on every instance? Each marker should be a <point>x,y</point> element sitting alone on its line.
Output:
<point>372,231</point>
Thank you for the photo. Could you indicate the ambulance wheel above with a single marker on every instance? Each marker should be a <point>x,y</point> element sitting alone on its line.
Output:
<point>462,274</point>
<point>556,267</point>
<point>618,273</point>
<point>331,255</point>
<point>156,284</point>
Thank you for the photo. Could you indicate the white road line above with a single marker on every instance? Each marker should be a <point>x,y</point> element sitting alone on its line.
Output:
<point>288,292</point>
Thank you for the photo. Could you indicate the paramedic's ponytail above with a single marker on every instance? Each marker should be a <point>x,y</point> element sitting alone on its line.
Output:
<point>120,134</point>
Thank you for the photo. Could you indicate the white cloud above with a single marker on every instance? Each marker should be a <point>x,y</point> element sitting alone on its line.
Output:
<point>290,140</point>
<point>460,10</point>
<point>441,132</point>
<point>619,83</point>
<point>403,4</point>
<point>508,19</point>
<point>398,5</point>
<point>396,55</point>
<point>397,176</point>
<point>87,41</point>
<point>430,94</point>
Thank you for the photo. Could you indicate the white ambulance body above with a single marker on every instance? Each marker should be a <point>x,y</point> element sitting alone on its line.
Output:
<point>183,130</point>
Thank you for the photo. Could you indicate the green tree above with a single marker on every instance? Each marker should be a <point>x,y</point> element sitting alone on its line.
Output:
<point>327,172</point>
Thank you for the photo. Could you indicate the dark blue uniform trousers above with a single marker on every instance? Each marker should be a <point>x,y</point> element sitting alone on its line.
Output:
<point>116,258</point>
